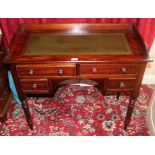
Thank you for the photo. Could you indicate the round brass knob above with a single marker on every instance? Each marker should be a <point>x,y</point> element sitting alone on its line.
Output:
<point>94,70</point>
<point>31,72</point>
<point>122,85</point>
<point>124,70</point>
<point>60,71</point>
<point>34,86</point>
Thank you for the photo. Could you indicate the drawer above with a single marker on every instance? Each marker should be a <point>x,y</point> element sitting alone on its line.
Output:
<point>121,84</point>
<point>3,79</point>
<point>108,69</point>
<point>46,70</point>
<point>34,85</point>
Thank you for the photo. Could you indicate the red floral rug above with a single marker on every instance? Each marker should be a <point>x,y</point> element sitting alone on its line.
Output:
<point>79,111</point>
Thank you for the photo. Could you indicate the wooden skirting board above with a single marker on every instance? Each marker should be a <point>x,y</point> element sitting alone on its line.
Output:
<point>6,106</point>
<point>151,115</point>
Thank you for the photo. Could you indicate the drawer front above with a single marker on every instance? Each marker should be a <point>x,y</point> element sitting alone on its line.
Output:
<point>3,79</point>
<point>32,85</point>
<point>108,69</point>
<point>121,84</point>
<point>44,70</point>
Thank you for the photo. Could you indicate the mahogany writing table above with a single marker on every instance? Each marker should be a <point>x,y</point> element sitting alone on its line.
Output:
<point>44,56</point>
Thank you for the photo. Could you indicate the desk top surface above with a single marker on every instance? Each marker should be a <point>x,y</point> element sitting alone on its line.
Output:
<point>85,41</point>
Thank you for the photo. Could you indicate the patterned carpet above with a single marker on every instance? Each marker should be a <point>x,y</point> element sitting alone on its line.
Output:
<point>79,111</point>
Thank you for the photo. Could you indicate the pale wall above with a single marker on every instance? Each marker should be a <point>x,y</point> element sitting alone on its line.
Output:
<point>149,76</point>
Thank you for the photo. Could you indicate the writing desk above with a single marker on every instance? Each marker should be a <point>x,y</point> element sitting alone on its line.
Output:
<point>42,57</point>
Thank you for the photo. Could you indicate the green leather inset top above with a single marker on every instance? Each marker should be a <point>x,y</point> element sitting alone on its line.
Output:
<point>91,44</point>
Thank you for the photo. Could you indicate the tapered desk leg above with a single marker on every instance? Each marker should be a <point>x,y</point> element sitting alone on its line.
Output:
<point>118,95</point>
<point>129,111</point>
<point>27,114</point>
<point>21,95</point>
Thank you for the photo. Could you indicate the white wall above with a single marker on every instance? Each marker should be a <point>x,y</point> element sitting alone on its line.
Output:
<point>149,76</point>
